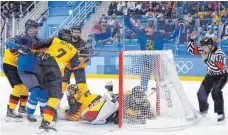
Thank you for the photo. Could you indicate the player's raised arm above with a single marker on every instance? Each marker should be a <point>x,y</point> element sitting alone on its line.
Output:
<point>42,44</point>
<point>195,50</point>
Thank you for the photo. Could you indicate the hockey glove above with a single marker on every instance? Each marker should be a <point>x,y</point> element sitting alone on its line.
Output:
<point>22,49</point>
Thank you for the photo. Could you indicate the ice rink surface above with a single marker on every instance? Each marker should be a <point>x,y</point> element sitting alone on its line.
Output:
<point>208,126</point>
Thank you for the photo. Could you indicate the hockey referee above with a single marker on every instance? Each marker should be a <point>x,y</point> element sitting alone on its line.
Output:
<point>216,77</point>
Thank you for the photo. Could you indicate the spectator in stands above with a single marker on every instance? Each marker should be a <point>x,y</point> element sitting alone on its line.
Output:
<point>120,5</point>
<point>131,7</point>
<point>188,19</point>
<point>225,31</point>
<point>168,26</point>
<point>105,35</point>
<point>210,33</point>
<point>112,8</point>
<point>96,28</point>
<point>149,13</point>
<point>90,40</point>
<point>145,6</point>
<point>215,18</point>
<point>138,8</point>
<point>112,21</point>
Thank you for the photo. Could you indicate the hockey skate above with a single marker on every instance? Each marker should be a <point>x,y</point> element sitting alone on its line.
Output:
<point>221,119</point>
<point>45,127</point>
<point>31,118</point>
<point>12,116</point>
<point>22,110</point>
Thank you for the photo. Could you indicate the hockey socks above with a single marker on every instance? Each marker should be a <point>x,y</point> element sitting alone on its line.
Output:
<point>43,95</point>
<point>14,97</point>
<point>50,109</point>
<point>33,100</point>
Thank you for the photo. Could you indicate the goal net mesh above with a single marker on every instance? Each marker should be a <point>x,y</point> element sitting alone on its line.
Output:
<point>151,94</point>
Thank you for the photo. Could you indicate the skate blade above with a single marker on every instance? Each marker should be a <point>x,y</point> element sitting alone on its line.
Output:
<point>9,119</point>
<point>221,122</point>
<point>46,132</point>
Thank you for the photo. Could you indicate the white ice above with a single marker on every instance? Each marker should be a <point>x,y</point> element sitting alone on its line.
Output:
<point>208,126</point>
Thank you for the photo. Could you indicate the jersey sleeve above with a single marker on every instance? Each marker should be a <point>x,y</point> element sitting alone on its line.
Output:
<point>42,44</point>
<point>194,50</point>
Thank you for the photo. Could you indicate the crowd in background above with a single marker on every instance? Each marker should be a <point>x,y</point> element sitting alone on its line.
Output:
<point>15,8</point>
<point>208,18</point>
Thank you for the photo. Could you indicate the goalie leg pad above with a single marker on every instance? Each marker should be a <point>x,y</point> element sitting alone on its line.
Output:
<point>105,112</point>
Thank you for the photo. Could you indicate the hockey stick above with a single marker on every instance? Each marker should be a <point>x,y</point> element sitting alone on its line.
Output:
<point>152,92</point>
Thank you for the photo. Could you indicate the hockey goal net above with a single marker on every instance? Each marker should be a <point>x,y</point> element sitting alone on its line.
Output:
<point>151,94</point>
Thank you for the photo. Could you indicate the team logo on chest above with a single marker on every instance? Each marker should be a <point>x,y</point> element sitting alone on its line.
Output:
<point>149,45</point>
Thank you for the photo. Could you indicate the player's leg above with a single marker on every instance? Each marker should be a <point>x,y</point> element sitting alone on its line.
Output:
<point>203,92</point>
<point>31,82</point>
<point>16,84</point>
<point>23,99</point>
<point>53,83</point>
<point>146,74</point>
<point>217,96</point>
<point>80,78</point>
<point>66,79</point>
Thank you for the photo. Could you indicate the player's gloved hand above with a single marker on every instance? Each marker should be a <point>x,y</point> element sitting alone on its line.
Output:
<point>81,63</point>
<point>22,49</point>
<point>11,44</point>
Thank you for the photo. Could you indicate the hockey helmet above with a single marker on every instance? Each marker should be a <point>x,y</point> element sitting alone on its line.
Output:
<point>64,34</point>
<point>31,23</point>
<point>206,41</point>
<point>138,92</point>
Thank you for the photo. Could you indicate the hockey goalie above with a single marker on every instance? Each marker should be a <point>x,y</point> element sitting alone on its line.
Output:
<point>90,107</point>
<point>100,110</point>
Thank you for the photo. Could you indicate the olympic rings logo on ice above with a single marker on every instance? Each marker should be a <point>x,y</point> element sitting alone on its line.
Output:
<point>183,67</point>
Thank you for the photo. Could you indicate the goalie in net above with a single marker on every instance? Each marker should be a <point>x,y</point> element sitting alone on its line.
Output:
<point>172,110</point>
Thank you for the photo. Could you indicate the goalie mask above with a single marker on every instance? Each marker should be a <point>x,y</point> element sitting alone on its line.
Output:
<point>71,90</point>
<point>138,92</point>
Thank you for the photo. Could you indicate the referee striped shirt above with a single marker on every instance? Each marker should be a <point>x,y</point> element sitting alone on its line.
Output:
<point>216,61</point>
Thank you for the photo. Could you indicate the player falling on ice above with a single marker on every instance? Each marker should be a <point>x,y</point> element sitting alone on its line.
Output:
<point>216,77</point>
<point>101,110</point>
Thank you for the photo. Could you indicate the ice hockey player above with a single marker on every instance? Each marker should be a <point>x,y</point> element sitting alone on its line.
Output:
<point>27,69</point>
<point>149,39</point>
<point>94,108</point>
<point>137,107</point>
<point>101,110</point>
<point>51,70</point>
<point>19,92</point>
<point>216,77</point>
<point>78,71</point>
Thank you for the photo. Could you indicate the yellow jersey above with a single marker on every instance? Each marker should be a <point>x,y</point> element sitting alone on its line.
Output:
<point>62,51</point>
<point>10,58</point>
